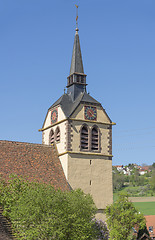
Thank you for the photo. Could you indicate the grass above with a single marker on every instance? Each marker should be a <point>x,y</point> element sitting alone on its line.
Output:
<point>147,208</point>
<point>133,192</point>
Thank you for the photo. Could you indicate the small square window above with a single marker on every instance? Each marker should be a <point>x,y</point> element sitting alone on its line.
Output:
<point>150,228</point>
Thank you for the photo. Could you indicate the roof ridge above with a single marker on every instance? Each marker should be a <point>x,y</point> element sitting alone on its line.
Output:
<point>24,143</point>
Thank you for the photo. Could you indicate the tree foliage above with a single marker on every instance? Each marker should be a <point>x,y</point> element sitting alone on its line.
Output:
<point>118,179</point>
<point>101,230</point>
<point>38,211</point>
<point>121,217</point>
<point>152,180</point>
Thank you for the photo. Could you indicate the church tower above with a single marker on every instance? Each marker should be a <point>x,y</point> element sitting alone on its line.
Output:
<point>82,132</point>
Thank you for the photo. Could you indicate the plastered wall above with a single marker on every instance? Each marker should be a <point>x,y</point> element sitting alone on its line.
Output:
<point>101,115</point>
<point>61,116</point>
<point>93,175</point>
<point>46,133</point>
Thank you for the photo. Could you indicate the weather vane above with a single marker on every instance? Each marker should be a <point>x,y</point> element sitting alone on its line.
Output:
<point>77,16</point>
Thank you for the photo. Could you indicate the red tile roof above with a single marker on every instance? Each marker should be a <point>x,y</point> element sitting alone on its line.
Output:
<point>150,222</point>
<point>37,162</point>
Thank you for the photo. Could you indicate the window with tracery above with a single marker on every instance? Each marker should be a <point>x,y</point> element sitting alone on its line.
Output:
<point>57,134</point>
<point>51,137</point>
<point>84,138</point>
<point>94,139</point>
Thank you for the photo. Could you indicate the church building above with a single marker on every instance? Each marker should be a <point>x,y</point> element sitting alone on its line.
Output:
<point>82,131</point>
<point>76,149</point>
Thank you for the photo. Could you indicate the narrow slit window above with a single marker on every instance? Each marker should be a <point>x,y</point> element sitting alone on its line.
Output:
<point>84,138</point>
<point>94,139</point>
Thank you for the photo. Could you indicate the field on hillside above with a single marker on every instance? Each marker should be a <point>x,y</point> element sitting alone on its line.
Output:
<point>129,190</point>
<point>147,208</point>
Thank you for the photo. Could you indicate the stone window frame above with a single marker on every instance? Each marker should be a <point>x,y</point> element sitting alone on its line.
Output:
<point>90,138</point>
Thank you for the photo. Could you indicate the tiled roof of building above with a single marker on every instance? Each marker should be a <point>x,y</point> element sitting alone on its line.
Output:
<point>150,223</point>
<point>36,162</point>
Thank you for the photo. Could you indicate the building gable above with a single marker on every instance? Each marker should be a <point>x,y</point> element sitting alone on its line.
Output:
<point>80,113</point>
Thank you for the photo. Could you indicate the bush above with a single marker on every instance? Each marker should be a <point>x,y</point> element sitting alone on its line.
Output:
<point>38,211</point>
<point>101,230</point>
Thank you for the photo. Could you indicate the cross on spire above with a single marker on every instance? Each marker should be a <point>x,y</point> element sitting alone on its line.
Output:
<point>77,16</point>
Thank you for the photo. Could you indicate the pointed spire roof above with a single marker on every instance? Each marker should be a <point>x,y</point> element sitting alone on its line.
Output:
<point>76,63</point>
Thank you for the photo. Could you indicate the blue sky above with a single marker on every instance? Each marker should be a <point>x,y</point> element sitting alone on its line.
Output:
<point>118,48</point>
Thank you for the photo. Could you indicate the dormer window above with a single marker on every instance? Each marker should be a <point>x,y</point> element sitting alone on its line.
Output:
<point>150,228</point>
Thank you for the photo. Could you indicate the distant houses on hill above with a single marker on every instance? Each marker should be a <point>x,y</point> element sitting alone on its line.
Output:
<point>127,170</point>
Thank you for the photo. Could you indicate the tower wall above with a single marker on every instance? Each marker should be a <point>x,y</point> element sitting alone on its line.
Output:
<point>93,174</point>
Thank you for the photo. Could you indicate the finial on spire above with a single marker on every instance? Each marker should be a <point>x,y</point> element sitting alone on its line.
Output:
<point>77,17</point>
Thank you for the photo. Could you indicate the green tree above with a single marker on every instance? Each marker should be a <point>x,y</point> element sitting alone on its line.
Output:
<point>153,165</point>
<point>38,211</point>
<point>121,217</point>
<point>152,181</point>
<point>135,177</point>
<point>118,179</point>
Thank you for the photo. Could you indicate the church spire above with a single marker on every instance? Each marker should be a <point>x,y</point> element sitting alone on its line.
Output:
<point>76,63</point>
<point>77,79</point>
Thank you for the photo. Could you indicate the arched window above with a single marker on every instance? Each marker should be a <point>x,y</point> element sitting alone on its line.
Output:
<point>51,137</point>
<point>84,138</point>
<point>94,139</point>
<point>57,134</point>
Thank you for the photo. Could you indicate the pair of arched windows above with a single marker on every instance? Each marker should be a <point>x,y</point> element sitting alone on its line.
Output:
<point>89,138</point>
<point>54,136</point>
